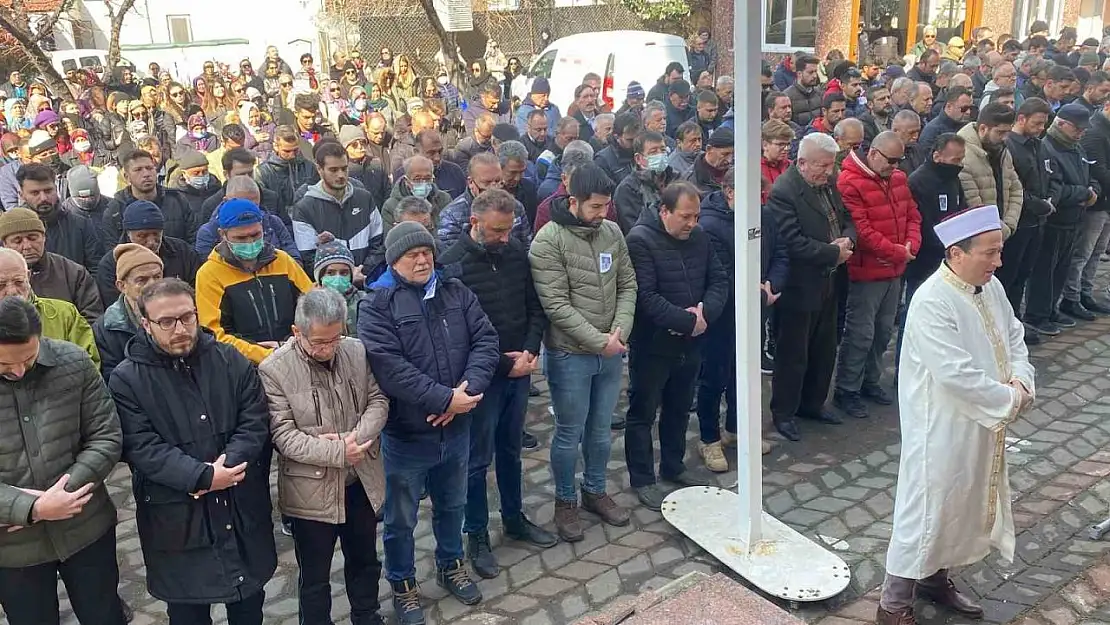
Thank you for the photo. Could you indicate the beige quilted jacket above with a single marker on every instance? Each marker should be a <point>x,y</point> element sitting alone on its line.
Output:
<point>977,180</point>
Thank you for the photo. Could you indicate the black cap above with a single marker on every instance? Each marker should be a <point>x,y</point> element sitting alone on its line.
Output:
<point>1076,114</point>
<point>680,87</point>
<point>506,132</point>
<point>722,138</point>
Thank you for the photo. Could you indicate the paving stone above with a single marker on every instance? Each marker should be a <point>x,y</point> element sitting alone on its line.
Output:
<point>604,587</point>
<point>828,504</point>
<point>582,570</point>
<point>636,566</point>
<point>515,603</point>
<point>547,587</point>
<point>611,554</point>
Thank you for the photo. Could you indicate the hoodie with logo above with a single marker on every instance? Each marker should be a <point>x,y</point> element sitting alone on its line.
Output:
<point>355,220</point>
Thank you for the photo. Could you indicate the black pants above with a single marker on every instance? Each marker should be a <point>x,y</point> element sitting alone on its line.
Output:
<point>29,595</point>
<point>1046,283</point>
<point>805,357</point>
<point>666,382</point>
<point>315,543</point>
<point>1019,256</point>
<point>246,611</point>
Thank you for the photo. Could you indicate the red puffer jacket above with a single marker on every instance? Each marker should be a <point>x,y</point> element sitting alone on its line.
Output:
<point>886,220</point>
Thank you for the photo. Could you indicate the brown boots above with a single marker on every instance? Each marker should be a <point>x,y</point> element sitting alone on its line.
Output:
<point>568,523</point>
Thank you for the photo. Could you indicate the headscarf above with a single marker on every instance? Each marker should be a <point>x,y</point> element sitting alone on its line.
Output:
<point>15,123</point>
<point>245,109</point>
<point>405,81</point>
<point>33,103</point>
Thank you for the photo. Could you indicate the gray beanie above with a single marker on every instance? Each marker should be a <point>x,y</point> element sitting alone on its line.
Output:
<point>82,182</point>
<point>405,236</point>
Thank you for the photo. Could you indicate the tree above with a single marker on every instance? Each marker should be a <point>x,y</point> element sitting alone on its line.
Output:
<point>16,22</point>
<point>115,18</point>
<point>446,40</point>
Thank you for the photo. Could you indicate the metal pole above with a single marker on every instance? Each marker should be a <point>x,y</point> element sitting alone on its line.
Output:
<point>746,58</point>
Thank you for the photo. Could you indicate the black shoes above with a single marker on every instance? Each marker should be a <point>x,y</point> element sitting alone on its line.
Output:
<point>533,391</point>
<point>481,556</point>
<point>618,423</point>
<point>456,581</point>
<point>691,477</point>
<point>875,394</point>
<point>1045,327</point>
<point>1063,320</point>
<point>406,603</point>
<point>789,430</point>
<point>1076,310</point>
<point>766,363</point>
<point>1095,306</point>
<point>850,403</point>
<point>651,496</point>
<point>526,531</point>
<point>529,441</point>
<point>824,415</point>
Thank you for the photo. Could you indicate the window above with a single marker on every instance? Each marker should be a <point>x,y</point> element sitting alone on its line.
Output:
<point>181,30</point>
<point>542,66</point>
<point>789,25</point>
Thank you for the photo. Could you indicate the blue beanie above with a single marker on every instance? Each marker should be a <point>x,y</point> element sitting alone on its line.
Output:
<point>635,91</point>
<point>143,215</point>
<point>238,212</point>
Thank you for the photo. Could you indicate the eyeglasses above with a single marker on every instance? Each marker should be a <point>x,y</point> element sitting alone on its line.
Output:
<point>333,90</point>
<point>890,160</point>
<point>168,324</point>
<point>350,72</point>
<point>286,84</point>
<point>177,94</point>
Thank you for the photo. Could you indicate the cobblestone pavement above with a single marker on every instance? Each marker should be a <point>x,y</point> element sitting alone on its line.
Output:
<point>837,486</point>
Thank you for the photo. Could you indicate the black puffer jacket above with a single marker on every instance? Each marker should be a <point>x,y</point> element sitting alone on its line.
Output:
<point>638,194</point>
<point>617,162</point>
<point>196,197</point>
<point>373,179</point>
<point>283,178</point>
<point>74,236</point>
<point>179,414</point>
<point>502,281</point>
<point>671,276</point>
<point>420,348</point>
<point>181,222</point>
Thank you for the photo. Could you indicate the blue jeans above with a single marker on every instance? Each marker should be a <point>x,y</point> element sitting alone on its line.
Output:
<point>441,464</point>
<point>496,427</point>
<point>584,393</point>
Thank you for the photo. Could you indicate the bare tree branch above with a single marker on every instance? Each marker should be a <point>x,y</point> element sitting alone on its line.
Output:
<point>17,26</point>
<point>116,18</point>
<point>46,27</point>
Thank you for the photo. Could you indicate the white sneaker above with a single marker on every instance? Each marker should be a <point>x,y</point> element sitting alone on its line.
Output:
<point>713,456</point>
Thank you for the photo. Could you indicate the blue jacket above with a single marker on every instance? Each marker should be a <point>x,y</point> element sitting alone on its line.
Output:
<point>274,232</point>
<point>526,108</point>
<point>422,342</point>
<point>783,77</point>
<point>551,180</point>
<point>456,215</point>
<point>9,186</point>
<point>717,220</point>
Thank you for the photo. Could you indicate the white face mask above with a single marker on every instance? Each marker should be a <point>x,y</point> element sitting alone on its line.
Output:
<point>82,146</point>
<point>442,80</point>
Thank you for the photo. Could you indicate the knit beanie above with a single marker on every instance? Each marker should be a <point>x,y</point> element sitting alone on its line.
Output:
<point>405,236</point>
<point>82,182</point>
<point>143,215</point>
<point>131,255</point>
<point>635,91</point>
<point>22,219</point>
<point>330,253</point>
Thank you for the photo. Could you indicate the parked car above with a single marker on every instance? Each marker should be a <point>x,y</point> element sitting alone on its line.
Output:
<point>96,60</point>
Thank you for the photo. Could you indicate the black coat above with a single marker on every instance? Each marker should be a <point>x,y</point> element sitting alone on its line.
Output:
<point>269,202</point>
<point>112,332</point>
<point>585,130</point>
<point>805,229</point>
<point>179,260</point>
<point>196,198</point>
<point>1032,163</point>
<point>181,222</point>
<point>373,179</point>
<point>502,281</point>
<point>74,236</point>
<point>616,161</point>
<point>671,276</point>
<point>420,349</point>
<point>939,125</point>
<point>179,414</point>
<point>638,194</point>
<point>95,214</point>
<point>936,189</point>
<point>283,178</point>
<point>1070,179</point>
<point>1096,142</point>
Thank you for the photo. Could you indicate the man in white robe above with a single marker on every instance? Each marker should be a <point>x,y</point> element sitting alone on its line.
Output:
<point>964,375</point>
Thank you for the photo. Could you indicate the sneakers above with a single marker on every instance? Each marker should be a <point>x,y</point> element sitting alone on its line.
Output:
<point>567,522</point>
<point>618,423</point>
<point>850,403</point>
<point>728,439</point>
<point>1063,320</point>
<point>526,531</point>
<point>481,556</point>
<point>456,581</point>
<point>603,506</point>
<point>713,456</point>
<point>529,441</point>
<point>651,496</point>
<point>1076,310</point>
<point>876,395</point>
<point>406,603</point>
<point>1095,306</point>
<point>1046,327</point>
<point>766,363</point>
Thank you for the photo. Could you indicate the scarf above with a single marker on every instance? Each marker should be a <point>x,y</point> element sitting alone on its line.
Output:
<point>1061,138</point>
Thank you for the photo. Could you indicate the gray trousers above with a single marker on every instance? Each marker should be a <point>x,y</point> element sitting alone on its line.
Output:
<point>898,592</point>
<point>868,325</point>
<point>1093,237</point>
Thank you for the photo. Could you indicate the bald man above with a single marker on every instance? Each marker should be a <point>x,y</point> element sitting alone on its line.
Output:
<point>273,228</point>
<point>848,134</point>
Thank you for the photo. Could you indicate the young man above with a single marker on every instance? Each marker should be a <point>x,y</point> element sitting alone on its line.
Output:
<point>141,172</point>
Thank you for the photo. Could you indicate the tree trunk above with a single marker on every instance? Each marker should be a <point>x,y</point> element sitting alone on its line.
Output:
<point>116,16</point>
<point>18,28</point>
<point>446,39</point>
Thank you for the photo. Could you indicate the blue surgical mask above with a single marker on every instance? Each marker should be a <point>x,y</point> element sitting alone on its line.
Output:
<point>342,284</point>
<point>197,182</point>
<point>422,189</point>
<point>657,163</point>
<point>361,104</point>
<point>246,251</point>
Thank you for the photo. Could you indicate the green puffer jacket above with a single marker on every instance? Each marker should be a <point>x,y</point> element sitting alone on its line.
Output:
<point>57,420</point>
<point>61,320</point>
<point>391,215</point>
<point>585,281</point>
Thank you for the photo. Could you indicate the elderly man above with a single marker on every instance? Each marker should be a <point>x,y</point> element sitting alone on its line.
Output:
<point>135,268</point>
<point>240,185</point>
<point>1003,76</point>
<point>494,265</point>
<point>548,163</point>
<point>518,176</point>
<point>689,143</point>
<point>907,125</point>
<point>342,446</point>
<point>849,136</point>
<point>577,154</point>
<point>1079,288</point>
<point>587,286</point>
<point>57,516</point>
<point>654,118</point>
<point>535,133</point>
<point>965,376</point>
<point>674,309</point>
<point>709,168</point>
<point>200,456</point>
<point>434,378</point>
<point>819,236</point>
<point>143,224</point>
<point>538,99</point>
<point>448,176</point>
<point>418,180</point>
<point>52,275</point>
<point>639,193</point>
<point>925,71</point>
<point>883,210</point>
<point>902,90</point>
<point>485,173</point>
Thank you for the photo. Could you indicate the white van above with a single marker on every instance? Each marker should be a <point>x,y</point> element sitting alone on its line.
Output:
<point>618,56</point>
<point>96,60</point>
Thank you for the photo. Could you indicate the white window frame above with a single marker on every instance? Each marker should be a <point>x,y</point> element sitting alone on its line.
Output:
<point>188,25</point>
<point>779,47</point>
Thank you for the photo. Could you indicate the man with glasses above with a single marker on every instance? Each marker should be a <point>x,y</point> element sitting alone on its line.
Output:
<point>417,181</point>
<point>877,195</point>
<point>200,453</point>
<point>956,113</point>
<point>485,173</point>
